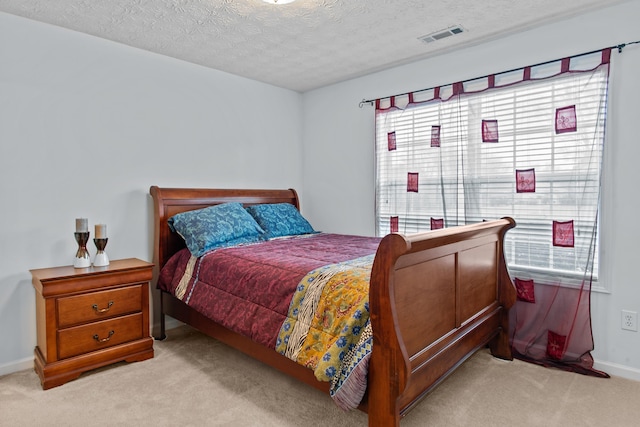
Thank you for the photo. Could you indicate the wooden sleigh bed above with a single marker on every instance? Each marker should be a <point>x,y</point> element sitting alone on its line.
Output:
<point>435,298</point>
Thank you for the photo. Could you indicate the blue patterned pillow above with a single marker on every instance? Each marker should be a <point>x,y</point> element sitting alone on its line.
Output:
<point>280,219</point>
<point>215,227</point>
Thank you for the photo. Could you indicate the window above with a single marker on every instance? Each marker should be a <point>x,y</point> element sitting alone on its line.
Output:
<point>530,148</point>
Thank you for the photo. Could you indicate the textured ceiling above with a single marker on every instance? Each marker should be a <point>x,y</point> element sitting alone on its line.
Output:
<point>302,45</point>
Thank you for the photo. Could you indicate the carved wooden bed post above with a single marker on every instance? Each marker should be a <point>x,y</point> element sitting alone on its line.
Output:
<point>387,367</point>
<point>500,346</point>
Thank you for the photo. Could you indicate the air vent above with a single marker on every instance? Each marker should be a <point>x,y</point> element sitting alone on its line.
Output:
<point>442,34</point>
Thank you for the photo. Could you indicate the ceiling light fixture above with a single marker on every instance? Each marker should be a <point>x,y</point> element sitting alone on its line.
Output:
<point>278,1</point>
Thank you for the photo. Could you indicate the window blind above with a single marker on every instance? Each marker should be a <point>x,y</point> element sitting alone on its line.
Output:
<point>530,150</point>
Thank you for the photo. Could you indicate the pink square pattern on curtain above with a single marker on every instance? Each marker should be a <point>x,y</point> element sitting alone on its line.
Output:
<point>525,290</point>
<point>563,233</point>
<point>555,345</point>
<point>412,182</point>
<point>525,180</point>
<point>435,136</point>
<point>437,223</point>
<point>393,224</point>
<point>391,141</point>
<point>566,120</point>
<point>489,131</point>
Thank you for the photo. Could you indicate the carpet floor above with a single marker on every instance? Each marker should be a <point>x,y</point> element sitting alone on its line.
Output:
<point>194,380</point>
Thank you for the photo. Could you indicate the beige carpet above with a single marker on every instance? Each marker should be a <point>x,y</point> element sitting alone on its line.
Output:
<point>196,381</point>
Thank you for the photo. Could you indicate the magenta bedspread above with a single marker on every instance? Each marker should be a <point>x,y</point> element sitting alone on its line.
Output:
<point>248,289</point>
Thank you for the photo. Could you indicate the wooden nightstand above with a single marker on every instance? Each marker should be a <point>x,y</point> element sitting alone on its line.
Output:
<point>90,317</point>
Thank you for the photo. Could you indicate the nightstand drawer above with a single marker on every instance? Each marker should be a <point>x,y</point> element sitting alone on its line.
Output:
<point>98,335</point>
<point>99,305</point>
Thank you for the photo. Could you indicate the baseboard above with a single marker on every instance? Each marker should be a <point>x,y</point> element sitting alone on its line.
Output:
<point>617,370</point>
<point>18,365</point>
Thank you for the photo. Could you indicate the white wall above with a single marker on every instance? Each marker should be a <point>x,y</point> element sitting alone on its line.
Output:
<point>87,126</point>
<point>339,138</point>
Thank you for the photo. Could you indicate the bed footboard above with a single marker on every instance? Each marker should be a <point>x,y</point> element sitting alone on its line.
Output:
<point>435,299</point>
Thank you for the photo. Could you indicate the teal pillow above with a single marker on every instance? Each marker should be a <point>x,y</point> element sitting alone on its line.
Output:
<point>280,219</point>
<point>214,227</point>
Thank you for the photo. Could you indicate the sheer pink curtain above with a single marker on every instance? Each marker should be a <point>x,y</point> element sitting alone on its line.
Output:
<point>527,143</point>
<point>554,328</point>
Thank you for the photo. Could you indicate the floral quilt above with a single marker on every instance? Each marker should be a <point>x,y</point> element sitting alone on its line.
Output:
<point>306,297</point>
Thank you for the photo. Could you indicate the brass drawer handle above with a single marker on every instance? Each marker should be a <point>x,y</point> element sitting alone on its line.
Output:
<point>102,310</point>
<point>97,338</point>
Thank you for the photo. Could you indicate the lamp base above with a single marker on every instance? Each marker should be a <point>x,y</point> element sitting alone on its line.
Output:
<point>101,259</point>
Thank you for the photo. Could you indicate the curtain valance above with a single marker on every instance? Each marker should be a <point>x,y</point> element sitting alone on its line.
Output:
<point>580,63</point>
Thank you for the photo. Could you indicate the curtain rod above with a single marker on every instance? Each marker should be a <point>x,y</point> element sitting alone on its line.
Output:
<point>619,47</point>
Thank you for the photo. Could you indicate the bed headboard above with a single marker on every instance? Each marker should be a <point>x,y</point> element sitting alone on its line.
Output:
<point>170,201</point>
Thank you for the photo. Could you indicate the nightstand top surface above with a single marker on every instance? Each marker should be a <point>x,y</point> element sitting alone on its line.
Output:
<point>69,271</point>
